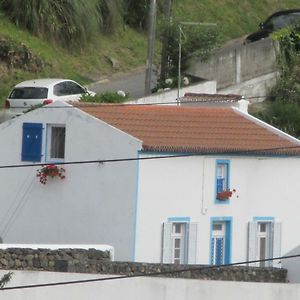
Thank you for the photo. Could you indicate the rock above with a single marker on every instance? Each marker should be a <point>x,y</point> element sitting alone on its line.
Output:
<point>114,63</point>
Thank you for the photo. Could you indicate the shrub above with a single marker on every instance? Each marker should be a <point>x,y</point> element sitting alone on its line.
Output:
<point>69,22</point>
<point>17,55</point>
<point>107,97</point>
<point>110,15</point>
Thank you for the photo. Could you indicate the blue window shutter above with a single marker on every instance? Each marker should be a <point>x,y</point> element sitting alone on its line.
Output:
<point>32,142</point>
<point>227,243</point>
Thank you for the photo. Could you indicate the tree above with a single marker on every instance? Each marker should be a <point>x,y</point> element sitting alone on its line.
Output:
<point>136,12</point>
<point>197,42</point>
<point>283,104</point>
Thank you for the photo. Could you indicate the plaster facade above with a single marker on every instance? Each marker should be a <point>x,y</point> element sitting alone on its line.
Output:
<point>185,189</point>
<point>94,204</point>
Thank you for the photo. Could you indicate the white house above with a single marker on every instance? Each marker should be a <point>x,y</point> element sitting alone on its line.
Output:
<point>172,205</point>
<point>95,202</point>
<point>180,218</point>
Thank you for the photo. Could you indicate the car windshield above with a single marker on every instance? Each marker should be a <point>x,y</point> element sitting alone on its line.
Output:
<point>279,22</point>
<point>29,93</point>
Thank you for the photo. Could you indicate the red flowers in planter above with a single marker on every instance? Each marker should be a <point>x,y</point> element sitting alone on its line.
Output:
<point>225,195</point>
<point>50,171</point>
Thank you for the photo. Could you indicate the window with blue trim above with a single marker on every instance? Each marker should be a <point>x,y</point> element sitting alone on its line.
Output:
<point>264,241</point>
<point>32,142</point>
<point>179,242</point>
<point>222,178</point>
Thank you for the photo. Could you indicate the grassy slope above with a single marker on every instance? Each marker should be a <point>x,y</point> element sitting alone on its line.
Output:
<point>234,18</point>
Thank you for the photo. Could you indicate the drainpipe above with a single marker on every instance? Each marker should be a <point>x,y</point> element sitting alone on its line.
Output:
<point>203,208</point>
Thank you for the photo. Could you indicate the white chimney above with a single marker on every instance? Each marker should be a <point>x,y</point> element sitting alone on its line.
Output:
<point>243,105</point>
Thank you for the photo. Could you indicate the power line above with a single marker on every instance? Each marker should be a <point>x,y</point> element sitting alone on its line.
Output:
<point>264,151</point>
<point>148,274</point>
<point>93,104</point>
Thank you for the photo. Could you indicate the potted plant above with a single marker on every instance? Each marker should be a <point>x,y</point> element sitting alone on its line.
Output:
<point>51,171</point>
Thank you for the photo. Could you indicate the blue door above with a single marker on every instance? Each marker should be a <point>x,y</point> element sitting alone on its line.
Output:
<point>220,243</point>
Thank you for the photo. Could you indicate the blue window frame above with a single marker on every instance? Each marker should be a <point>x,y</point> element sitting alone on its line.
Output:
<point>222,182</point>
<point>32,142</point>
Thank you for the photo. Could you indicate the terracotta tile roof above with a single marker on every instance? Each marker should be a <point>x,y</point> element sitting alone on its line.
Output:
<point>197,129</point>
<point>195,97</point>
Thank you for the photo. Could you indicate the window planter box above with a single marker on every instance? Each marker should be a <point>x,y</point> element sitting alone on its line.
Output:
<point>225,195</point>
<point>50,171</point>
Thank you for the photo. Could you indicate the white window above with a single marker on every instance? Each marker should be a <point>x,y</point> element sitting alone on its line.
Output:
<point>178,237</point>
<point>264,242</point>
<point>56,142</point>
<point>179,243</point>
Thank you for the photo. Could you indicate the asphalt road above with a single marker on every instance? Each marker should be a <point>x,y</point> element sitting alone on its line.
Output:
<point>132,83</point>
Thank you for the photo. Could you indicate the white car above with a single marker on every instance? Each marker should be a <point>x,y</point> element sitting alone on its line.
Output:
<point>42,91</point>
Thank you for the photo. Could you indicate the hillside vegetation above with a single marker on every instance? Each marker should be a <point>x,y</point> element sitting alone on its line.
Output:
<point>124,49</point>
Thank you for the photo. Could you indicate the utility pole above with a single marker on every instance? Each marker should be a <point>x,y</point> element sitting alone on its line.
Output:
<point>151,39</point>
<point>164,53</point>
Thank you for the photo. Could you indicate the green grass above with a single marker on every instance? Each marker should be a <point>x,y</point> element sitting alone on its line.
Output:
<point>85,63</point>
<point>235,18</point>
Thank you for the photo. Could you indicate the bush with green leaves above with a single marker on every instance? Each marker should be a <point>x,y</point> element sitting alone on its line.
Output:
<point>283,108</point>
<point>110,15</point>
<point>70,22</point>
<point>284,115</point>
<point>107,97</point>
<point>17,55</point>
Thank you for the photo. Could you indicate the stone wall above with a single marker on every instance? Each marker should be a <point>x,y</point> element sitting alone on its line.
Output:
<point>98,262</point>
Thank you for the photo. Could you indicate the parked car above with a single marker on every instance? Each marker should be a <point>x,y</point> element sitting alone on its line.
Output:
<point>42,91</point>
<point>275,22</point>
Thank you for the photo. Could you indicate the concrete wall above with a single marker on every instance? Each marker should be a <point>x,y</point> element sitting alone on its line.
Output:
<point>145,288</point>
<point>293,265</point>
<point>185,187</point>
<point>85,207</point>
<point>167,96</point>
<point>254,89</point>
<point>235,64</point>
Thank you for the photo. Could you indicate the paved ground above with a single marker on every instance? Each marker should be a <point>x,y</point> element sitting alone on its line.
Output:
<point>132,83</point>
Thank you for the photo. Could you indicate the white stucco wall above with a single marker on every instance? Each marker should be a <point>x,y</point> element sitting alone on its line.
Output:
<point>94,204</point>
<point>169,96</point>
<point>185,187</point>
<point>145,288</point>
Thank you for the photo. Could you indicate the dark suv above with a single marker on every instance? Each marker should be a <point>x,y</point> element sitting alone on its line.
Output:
<point>275,22</point>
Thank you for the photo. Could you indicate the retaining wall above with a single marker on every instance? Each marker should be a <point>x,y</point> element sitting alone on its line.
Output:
<point>98,262</point>
<point>238,63</point>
